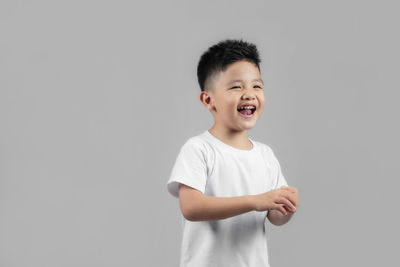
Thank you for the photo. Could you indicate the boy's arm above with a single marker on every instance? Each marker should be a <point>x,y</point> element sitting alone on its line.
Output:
<point>198,207</point>
<point>277,218</point>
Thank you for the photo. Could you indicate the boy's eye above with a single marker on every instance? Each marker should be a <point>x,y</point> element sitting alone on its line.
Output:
<point>256,86</point>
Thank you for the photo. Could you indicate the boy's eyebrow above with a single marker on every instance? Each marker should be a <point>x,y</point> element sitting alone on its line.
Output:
<point>255,80</point>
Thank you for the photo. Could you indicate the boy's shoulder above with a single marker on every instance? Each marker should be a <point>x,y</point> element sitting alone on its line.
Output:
<point>199,141</point>
<point>265,149</point>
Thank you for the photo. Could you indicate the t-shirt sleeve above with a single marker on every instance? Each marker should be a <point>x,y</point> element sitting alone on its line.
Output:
<point>279,178</point>
<point>190,168</point>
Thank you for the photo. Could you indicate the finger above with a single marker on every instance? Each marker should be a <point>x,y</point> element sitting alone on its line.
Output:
<point>282,209</point>
<point>288,210</point>
<point>289,204</point>
<point>291,197</point>
<point>285,203</point>
<point>294,198</point>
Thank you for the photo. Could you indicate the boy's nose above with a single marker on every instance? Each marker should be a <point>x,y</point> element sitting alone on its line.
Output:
<point>248,94</point>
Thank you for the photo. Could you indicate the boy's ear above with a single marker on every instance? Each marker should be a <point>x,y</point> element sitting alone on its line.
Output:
<point>205,98</point>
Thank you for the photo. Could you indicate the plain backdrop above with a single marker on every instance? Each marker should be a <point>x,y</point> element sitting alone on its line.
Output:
<point>97,97</point>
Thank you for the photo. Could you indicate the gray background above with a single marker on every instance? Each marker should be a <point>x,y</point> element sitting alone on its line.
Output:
<point>97,97</point>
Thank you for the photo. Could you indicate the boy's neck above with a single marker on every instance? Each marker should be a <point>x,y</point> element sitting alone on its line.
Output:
<point>239,140</point>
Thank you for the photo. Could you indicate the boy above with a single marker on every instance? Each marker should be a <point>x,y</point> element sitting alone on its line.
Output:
<point>227,183</point>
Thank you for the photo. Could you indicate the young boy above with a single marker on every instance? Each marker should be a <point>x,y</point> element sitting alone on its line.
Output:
<point>227,183</point>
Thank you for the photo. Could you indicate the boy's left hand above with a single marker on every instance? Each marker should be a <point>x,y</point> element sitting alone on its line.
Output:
<point>293,196</point>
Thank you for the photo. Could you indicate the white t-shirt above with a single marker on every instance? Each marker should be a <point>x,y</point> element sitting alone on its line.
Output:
<point>218,169</point>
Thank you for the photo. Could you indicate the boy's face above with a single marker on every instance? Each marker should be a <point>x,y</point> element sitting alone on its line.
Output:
<point>239,84</point>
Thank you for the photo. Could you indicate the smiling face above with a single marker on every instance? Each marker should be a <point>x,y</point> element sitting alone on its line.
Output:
<point>239,84</point>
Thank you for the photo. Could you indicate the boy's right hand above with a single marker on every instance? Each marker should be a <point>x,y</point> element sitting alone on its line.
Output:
<point>277,199</point>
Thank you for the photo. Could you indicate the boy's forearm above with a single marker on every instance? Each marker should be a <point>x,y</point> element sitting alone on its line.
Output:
<point>216,208</point>
<point>277,218</point>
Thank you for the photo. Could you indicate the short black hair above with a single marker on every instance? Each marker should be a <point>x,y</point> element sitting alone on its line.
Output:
<point>219,56</point>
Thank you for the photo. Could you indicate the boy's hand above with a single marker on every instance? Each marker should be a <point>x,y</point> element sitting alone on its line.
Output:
<point>283,199</point>
<point>294,195</point>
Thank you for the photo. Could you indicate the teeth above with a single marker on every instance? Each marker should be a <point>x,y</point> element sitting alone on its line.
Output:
<point>247,107</point>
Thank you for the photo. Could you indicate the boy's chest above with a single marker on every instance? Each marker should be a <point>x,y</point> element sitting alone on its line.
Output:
<point>240,175</point>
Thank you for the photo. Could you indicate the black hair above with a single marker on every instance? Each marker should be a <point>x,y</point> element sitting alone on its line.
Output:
<point>219,56</point>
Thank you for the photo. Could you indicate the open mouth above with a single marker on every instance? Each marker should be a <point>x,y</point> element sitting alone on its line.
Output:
<point>247,110</point>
